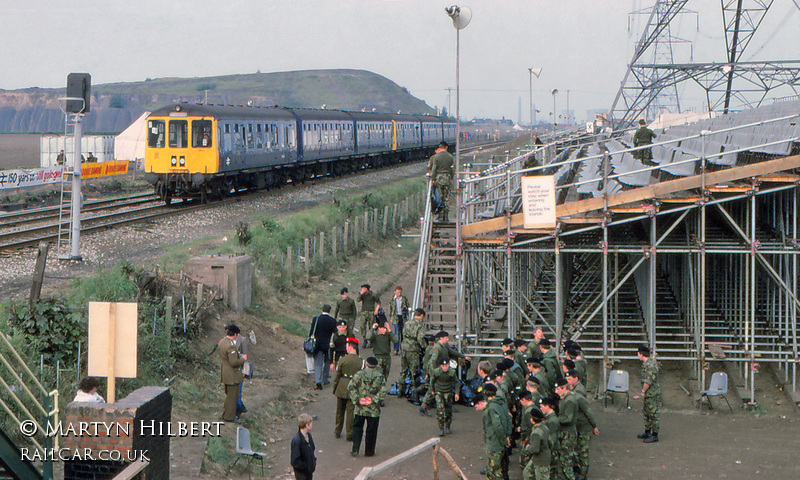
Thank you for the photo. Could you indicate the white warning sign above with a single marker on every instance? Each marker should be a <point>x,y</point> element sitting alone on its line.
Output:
<point>539,201</point>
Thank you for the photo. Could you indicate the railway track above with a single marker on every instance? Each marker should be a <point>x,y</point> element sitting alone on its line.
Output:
<point>29,227</point>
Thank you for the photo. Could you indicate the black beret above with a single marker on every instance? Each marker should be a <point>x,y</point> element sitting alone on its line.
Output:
<point>572,352</point>
<point>561,382</point>
<point>572,373</point>
<point>569,364</point>
<point>520,342</point>
<point>533,380</point>
<point>341,323</point>
<point>441,334</point>
<point>420,311</point>
<point>489,388</point>
<point>372,361</point>
<point>537,414</point>
<point>366,285</point>
<point>524,395</point>
<point>344,290</point>
<point>549,401</point>
<point>508,341</point>
<point>644,350</point>
<point>443,361</point>
<point>544,342</point>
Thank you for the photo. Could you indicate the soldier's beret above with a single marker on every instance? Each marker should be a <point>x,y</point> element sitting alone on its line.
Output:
<point>537,414</point>
<point>341,323</point>
<point>524,395</point>
<point>644,350</point>
<point>489,388</point>
<point>569,364</point>
<point>372,362</point>
<point>366,285</point>
<point>533,361</point>
<point>549,401</point>
<point>352,339</point>
<point>572,373</point>
<point>561,382</point>
<point>520,342</point>
<point>534,380</point>
<point>572,352</point>
<point>441,334</point>
<point>343,291</point>
<point>508,341</point>
<point>442,361</point>
<point>545,342</point>
<point>507,363</point>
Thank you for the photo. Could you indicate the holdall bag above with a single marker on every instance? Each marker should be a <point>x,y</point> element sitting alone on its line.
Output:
<point>436,200</point>
<point>310,343</point>
<point>247,370</point>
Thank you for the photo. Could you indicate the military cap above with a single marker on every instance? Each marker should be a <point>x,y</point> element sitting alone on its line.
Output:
<point>441,334</point>
<point>549,401</point>
<point>429,338</point>
<point>545,342</point>
<point>372,362</point>
<point>341,323</point>
<point>520,342</point>
<point>489,388</point>
<point>572,352</point>
<point>533,360</point>
<point>352,339</point>
<point>537,415</point>
<point>572,373</point>
<point>507,363</point>
<point>366,285</point>
<point>442,361</point>
<point>561,382</point>
<point>534,380</point>
<point>343,291</point>
<point>644,350</point>
<point>569,364</point>
<point>508,341</point>
<point>524,395</point>
<point>420,311</point>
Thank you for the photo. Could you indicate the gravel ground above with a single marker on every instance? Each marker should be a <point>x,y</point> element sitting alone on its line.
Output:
<point>144,243</point>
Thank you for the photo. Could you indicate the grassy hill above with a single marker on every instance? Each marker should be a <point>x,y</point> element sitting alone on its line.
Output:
<point>115,105</point>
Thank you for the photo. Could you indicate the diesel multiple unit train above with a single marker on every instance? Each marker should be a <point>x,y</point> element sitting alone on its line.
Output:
<point>207,151</point>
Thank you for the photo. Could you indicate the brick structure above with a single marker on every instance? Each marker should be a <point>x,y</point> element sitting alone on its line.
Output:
<point>89,429</point>
<point>230,275</point>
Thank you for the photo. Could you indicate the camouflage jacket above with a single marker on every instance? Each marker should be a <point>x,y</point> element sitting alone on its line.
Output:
<point>393,313</point>
<point>650,377</point>
<point>413,336</point>
<point>368,382</point>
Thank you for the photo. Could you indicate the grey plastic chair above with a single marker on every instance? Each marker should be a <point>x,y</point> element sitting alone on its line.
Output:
<point>717,388</point>
<point>618,383</point>
<point>243,449</point>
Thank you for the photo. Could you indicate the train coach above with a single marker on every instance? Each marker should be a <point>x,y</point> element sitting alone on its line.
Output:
<point>207,151</point>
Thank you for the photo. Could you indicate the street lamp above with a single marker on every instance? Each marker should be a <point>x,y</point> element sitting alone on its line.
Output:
<point>554,92</point>
<point>533,71</point>
<point>461,17</point>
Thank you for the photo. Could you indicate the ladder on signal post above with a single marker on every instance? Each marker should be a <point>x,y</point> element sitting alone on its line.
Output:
<point>64,241</point>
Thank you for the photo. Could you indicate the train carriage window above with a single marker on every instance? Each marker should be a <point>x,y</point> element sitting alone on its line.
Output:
<point>201,133</point>
<point>178,133</point>
<point>155,133</point>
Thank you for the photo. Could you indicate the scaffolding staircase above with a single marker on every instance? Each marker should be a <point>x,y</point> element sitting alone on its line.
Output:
<point>23,399</point>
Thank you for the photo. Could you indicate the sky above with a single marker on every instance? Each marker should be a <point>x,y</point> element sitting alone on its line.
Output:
<point>582,46</point>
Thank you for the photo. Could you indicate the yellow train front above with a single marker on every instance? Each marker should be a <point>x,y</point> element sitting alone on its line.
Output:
<point>208,150</point>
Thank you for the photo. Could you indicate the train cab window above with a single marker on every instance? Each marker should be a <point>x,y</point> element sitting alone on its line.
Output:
<point>178,133</point>
<point>227,128</point>
<point>201,133</point>
<point>155,133</point>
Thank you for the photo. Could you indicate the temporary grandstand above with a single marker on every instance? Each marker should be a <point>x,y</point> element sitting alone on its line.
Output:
<point>695,255</point>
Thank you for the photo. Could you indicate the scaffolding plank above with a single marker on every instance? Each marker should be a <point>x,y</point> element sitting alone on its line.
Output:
<point>643,193</point>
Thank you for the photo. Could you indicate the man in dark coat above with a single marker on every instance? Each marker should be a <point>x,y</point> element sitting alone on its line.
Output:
<point>322,328</point>
<point>303,459</point>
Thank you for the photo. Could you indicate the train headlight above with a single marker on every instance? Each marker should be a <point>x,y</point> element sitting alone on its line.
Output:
<point>174,161</point>
<point>183,161</point>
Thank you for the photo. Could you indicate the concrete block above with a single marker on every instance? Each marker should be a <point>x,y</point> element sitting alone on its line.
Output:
<point>231,275</point>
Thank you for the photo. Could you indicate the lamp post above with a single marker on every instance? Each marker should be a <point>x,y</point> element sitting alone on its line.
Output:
<point>537,72</point>
<point>554,92</point>
<point>461,17</point>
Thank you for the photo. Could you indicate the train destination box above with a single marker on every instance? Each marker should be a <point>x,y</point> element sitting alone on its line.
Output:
<point>230,275</point>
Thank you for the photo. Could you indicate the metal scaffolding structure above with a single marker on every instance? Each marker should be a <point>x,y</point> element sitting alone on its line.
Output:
<point>701,268</point>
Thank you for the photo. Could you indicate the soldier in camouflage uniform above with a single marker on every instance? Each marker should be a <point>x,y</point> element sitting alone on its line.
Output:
<point>382,339</point>
<point>440,349</point>
<point>370,304</point>
<point>537,448</point>
<point>412,342</point>
<point>549,407</point>
<point>496,430</point>
<point>585,424</point>
<point>441,170</point>
<point>444,384</point>
<point>567,437</point>
<point>651,391</point>
<point>367,391</point>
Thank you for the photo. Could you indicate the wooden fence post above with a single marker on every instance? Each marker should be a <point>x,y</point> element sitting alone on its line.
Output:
<point>356,232</point>
<point>321,247</point>
<point>345,235</point>
<point>334,236</point>
<point>385,219</point>
<point>307,253</point>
